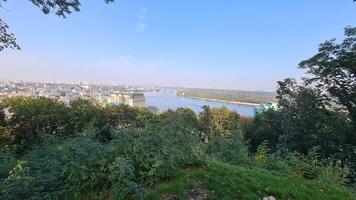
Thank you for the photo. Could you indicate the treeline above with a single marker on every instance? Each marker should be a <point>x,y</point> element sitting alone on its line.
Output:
<point>230,95</point>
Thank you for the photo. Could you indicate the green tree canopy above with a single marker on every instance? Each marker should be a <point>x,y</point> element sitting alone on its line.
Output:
<point>307,121</point>
<point>333,71</point>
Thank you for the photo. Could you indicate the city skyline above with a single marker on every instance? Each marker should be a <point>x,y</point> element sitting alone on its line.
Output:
<point>246,47</point>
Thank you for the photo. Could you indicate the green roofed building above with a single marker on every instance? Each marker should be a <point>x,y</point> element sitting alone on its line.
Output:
<point>265,106</point>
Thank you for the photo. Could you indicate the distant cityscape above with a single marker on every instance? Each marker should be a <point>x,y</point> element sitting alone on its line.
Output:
<point>247,103</point>
<point>66,92</point>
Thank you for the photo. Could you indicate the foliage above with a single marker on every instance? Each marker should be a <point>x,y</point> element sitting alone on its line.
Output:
<point>309,166</point>
<point>122,175</point>
<point>264,127</point>
<point>61,8</point>
<point>26,118</point>
<point>29,116</point>
<point>153,156</point>
<point>218,122</point>
<point>115,152</point>
<point>7,40</point>
<point>333,71</point>
<point>230,150</point>
<point>8,161</point>
<point>54,169</point>
<point>307,121</point>
<point>82,113</point>
<point>70,169</point>
<point>223,181</point>
<point>182,117</point>
<point>156,155</point>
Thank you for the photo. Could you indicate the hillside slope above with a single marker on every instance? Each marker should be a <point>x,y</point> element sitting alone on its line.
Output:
<point>222,181</point>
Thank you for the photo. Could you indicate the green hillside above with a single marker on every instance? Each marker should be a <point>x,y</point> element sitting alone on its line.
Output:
<point>217,180</point>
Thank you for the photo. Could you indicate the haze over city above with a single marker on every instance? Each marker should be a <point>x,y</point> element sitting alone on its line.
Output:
<point>208,44</point>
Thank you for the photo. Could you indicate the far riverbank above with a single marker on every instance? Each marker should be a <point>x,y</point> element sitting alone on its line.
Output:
<point>224,101</point>
<point>168,99</point>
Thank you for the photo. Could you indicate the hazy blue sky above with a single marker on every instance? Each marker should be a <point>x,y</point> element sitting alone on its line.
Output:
<point>234,44</point>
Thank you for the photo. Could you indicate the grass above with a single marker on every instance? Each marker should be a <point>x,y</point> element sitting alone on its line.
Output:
<point>225,182</point>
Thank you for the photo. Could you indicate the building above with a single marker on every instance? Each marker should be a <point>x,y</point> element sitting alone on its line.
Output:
<point>127,98</point>
<point>265,106</point>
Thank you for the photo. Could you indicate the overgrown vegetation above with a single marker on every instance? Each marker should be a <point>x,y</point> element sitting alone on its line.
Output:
<point>303,150</point>
<point>55,151</point>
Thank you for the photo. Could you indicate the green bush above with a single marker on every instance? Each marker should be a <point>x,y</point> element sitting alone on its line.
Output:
<point>231,150</point>
<point>7,162</point>
<point>59,169</point>
<point>154,156</point>
<point>122,177</point>
<point>309,166</point>
<point>29,117</point>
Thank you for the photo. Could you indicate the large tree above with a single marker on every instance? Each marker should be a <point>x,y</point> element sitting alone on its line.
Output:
<point>307,121</point>
<point>333,71</point>
<point>62,8</point>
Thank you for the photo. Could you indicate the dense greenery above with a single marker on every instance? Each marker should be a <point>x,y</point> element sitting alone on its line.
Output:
<point>55,151</point>
<point>230,95</point>
<point>318,113</point>
<point>303,150</point>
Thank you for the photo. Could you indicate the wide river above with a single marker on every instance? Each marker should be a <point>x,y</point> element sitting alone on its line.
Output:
<point>168,99</point>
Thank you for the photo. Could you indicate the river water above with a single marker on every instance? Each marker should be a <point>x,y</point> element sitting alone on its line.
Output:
<point>168,99</point>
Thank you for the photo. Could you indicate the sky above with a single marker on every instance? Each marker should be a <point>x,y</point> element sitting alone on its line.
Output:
<point>229,44</point>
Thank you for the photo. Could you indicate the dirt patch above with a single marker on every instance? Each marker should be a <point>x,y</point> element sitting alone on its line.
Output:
<point>169,196</point>
<point>198,193</point>
<point>191,167</point>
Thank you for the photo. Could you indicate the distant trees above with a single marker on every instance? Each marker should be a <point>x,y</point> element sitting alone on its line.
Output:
<point>61,8</point>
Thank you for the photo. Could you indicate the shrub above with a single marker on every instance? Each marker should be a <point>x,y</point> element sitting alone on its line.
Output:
<point>154,156</point>
<point>122,175</point>
<point>28,117</point>
<point>309,166</point>
<point>60,169</point>
<point>7,162</point>
<point>231,150</point>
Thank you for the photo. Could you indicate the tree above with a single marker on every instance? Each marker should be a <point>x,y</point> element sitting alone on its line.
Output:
<point>181,118</point>
<point>218,122</point>
<point>307,121</point>
<point>265,127</point>
<point>29,117</point>
<point>7,40</point>
<point>333,71</point>
<point>62,8</point>
<point>82,113</point>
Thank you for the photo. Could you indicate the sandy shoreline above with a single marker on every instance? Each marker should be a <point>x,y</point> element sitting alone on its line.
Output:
<point>224,101</point>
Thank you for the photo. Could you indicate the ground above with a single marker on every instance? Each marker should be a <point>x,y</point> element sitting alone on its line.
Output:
<point>221,181</point>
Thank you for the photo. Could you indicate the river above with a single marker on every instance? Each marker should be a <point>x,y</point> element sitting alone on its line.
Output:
<point>168,99</point>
